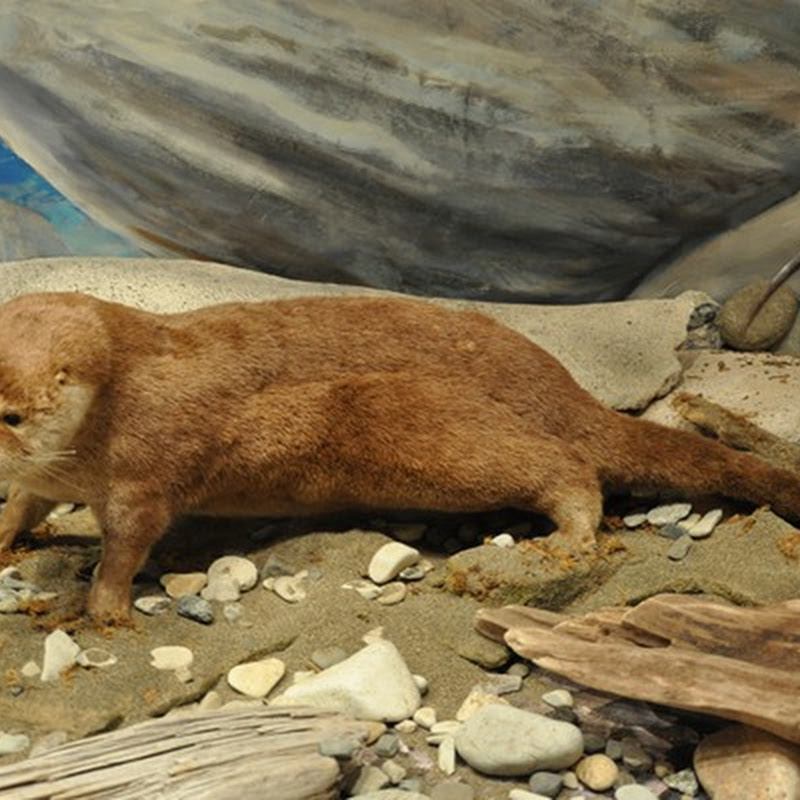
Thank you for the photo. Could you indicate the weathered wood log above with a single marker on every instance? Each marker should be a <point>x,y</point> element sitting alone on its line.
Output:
<point>736,663</point>
<point>228,754</point>
<point>494,149</point>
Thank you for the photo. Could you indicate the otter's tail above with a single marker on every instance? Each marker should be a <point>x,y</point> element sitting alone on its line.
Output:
<point>651,456</point>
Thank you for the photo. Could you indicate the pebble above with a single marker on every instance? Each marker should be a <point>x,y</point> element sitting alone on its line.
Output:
<point>178,584</point>
<point>171,657</point>
<point>634,520</point>
<point>60,653</point>
<point>256,678</point>
<point>672,530</point>
<point>370,779</point>
<point>634,756</point>
<point>30,669</point>
<point>339,747</point>
<point>390,560</point>
<point>705,525</point>
<point>446,760</point>
<point>387,745</point>
<point>422,683</point>
<point>507,741</point>
<point>325,657</point>
<point>412,574</point>
<point>292,588</point>
<point>393,593</point>
<point>372,684</point>
<point>520,669</point>
<point>614,749</point>
<point>503,684</point>
<point>558,698</point>
<point>196,608</point>
<point>10,601</point>
<point>593,743</point>
<point>597,772</point>
<point>152,604</point>
<point>367,589</point>
<point>673,512</point>
<point>684,782</point>
<point>96,657</point>
<point>425,717</point>
<point>505,540</point>
<point>239,569</point>
<point>13,743</point>
<point>396,772</point>
<point>633,791</point>
<point>406,726</point>
<point>680,548</point>
<point>222,588</point>
<point>546,783</point>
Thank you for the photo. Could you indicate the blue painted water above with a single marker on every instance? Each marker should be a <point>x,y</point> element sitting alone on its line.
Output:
<point>23,186</point>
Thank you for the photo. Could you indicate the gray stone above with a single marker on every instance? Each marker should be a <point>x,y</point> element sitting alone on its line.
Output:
<point>684,782</point>
<point>152,605</point>
<point>506,741</point>
<point>339,747</point>
<point>670,513</point>
<point>387,745</point>
<point>546,783</point>
<point>195,608</point>
<point>680,548</point>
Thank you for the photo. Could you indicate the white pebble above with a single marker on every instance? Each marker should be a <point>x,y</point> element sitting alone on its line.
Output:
<point>179,584</point>
<point>446,758</point>
<point>425,717</point>
<point>171,657</point>
<point>390,560</point>
<point>292,588</point>
<point>256,678</point>
<point>392,593</point>
<point>406,726</point>
<point>671,513</point>
<point>210,701</point>
<point>422,683</point>
<point>705,525</point>
<point>30,669</point>
<point>634,520</point>
<point>558,698</point>
<point>524,794</point>
<point>96,657</point>
<point>237,568</point>
<point>13,743</point>
<point>60,653</point>
<point>503,540</point>
<point>633,791</point>
<point>152,604</point>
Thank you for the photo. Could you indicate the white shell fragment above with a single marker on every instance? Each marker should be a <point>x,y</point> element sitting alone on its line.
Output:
<point>60,653</point>
<point>237,568</point>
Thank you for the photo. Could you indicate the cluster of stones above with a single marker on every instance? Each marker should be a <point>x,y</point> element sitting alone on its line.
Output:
<point>17,594</point>
<point>677,522</point>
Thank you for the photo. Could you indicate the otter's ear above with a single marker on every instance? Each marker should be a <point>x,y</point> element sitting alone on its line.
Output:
<point>62,376</point>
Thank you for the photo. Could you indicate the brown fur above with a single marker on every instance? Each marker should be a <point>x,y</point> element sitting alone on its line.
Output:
<point>314,405</point>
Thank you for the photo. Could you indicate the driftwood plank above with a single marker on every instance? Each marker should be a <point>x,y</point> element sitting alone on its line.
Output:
<point>494,622</point>
<point>765,698</point>
<point>769,636</point>
<point>227,754</point>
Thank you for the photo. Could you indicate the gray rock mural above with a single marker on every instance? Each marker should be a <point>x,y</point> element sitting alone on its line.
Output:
<point>495,149</point>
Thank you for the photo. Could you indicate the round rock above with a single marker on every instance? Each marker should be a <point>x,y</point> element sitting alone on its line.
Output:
<point>256,678</point>
<point>507,741</point>
<point>178,584</point>
<point>390,560</point>
<point>237,568</point>
<point>171,657</point>
<point>768,327</point>
<point>152,604</point>
<point>597,772</point>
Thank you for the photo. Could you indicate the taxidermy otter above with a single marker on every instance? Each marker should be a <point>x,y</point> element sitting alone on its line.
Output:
<point>315,405</point>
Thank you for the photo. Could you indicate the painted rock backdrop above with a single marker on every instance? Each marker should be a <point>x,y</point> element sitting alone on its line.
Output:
<point>505,149</point>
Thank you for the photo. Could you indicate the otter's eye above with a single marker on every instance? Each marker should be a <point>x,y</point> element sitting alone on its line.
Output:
<point>12,419</point>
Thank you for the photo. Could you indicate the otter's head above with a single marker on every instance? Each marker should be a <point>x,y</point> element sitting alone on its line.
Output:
<point>54,359</point>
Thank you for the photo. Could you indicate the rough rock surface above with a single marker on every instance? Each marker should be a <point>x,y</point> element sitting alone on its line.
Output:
<point>514,150</point>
